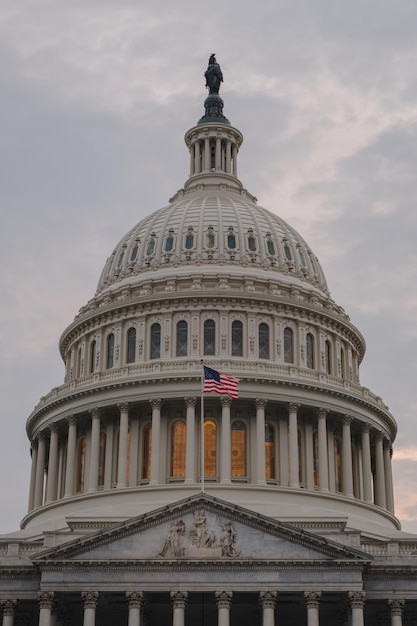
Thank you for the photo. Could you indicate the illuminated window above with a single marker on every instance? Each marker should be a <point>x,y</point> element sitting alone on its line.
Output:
<point>238,449</point>
<point>310,350</point>
<point>338,463</point>
<point>288,345</point>
<point>263,341</point>
<point>155,341</point>
<point>102,459</point>
<point>110,351</point>
<point>269,452</point>
<point>178,449</point>
<point>81,447</point>
<point>182,338</point>
<point>316,458</point>
<point>327,356</point>
<point>146,451</point>
<point>209,337</point>
<point>93,348</point>
<point>131,345</point>
<point>237,338</point>
<point>210,448</point>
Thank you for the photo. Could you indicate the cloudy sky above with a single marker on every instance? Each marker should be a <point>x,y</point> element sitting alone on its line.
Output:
<point>95,97</point>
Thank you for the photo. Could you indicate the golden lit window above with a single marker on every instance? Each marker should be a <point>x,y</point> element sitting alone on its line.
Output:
<point>269,452</point>
<point>238,449</point>
<point>210,448</point>
<point>316,458</point>
<point>338,463</point>
<point>178,438</point>
<point>146,452</point>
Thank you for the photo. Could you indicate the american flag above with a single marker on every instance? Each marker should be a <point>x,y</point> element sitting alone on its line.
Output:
<point>220,382</point>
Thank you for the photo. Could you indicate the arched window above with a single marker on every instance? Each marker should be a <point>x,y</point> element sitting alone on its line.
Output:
<point>209,337</point>
<point>210,239</point>
<point>252,243</point>
<point>231,241</point>
<point>338,463</point>
<point>238,449</point>
<point>110,351</point>
<point>287,252</point>
<point>102,459</point>
<point>327,356</point>
<point>269,452</point>
<point>302,258</point>
<point>169,243</point>
<point>150,247</point>
<point>120,261</point>
<point>93,349</point>
<point>342,362</point>
<point>182,338</point>
<point>189,241</point>
<point>288,345</point>
<point>178,449</point>
<point>316,458</point>
<point>79,363</point>
<point>210,448</point>
<point>270,246</point>
<point>134,252</point>
<point>310,350</point>
<point>131,345</point>
<point>81,448</point>
<point>263,333</point>
<point>237,338</point>
<point>155,341</point>
<point>146,451</point>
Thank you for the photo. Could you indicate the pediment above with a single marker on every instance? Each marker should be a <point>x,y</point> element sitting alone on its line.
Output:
<point>202,528</point>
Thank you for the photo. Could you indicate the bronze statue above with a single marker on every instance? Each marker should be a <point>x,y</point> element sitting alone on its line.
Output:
<point>213,75</point>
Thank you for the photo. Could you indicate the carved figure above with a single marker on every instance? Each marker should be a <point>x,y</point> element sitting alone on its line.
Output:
<point>213,75</point>
<point>205,538</point>
<point>227,538</point>
<point>173,543</point>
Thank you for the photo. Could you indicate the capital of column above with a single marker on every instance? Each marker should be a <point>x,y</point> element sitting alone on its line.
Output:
<point>312,599</point>
<point>293,407</point>
<point>156,403</point>
<point>135,598</point>
<point>190,401</point>
<point>9,607</point>
<point>179,599</point>
<point>90,599</point>
<point>322,412</point>
<point>223,599</point>
<point>378,436</point>
<point>268,599</point>
<point>123,406</point>
<point>387,444</point>
<point>225,401</point>
<point>53,428</point>
<point>71,419</point>
<point>46,599</point>
<point>347,420</point>
<point>96,412</point>
<point>396,606</point>
<point>260,403</point>
<point>366,427</point>
<point>356,599</point>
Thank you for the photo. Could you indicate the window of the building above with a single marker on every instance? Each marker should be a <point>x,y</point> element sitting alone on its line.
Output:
<point>210,239</point>
<point>178,441</point>
<point>182,338</point>
<point>316,458</point>
<point>310,350</point>
<point>81,449</point>
<point>252,243</point>
<point>342,362</point>
<point>328,356</point>
<point>263,341</point>
<point>155,341</point>
<point>102,459</point>
<point>146,451</point>
<point>120,259</point>
<point>288,345</point>
<point>189,241</point>
<point>210,448</point>
<point>238,449</point>
<point>231,241</point>
<point>302,258</point>
<point>287,252</point>
<point>110,351</point>
<point>209,337</point>
<point>237,338</point>
<point>134,252</point>
<point>269,452</point>
<point>93,352</point>
<point>169,243</point>
<point>131,345</point>
<point>270,246</point>
<point>150,247</point>
<point>338,463</point>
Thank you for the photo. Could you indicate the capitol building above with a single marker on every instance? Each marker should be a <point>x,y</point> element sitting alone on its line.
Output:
<point>152,504</point>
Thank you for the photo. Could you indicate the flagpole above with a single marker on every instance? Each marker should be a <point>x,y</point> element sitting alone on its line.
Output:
<point>202,426</point>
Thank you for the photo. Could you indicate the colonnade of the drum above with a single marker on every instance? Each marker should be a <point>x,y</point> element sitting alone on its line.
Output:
<point>305,453</point>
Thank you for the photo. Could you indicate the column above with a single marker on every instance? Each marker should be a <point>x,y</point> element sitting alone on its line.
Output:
<point>268,600</point>
<point>123,441</point>
<point>312,600</point>
<point>192,160</point>
<point>366,463</point>
<point>357,603</point>
<point>197,168</point>
<point>388,476</point>
<point>71,453</point>
<point>283,452</point>
<point>156,435</point>
<point>260,440</point>
<point>226,441</point>
<point>90,599</point>
<point>135,599</point>
<point>95,450</point>
<point>228,157</point>
<point>46,604</point>
<point>234,157</point>
<point>40,470</point>
<point>218,153</point>
<point>396,608</point>
<point>52,480</point>
<point>224,601</point>
<point>179,600</point>
<point>293,430</point>
<point>207,154</point>
<point>9,608</point>
<point>347,473</point>
<point>190,403</point>
<point>34,450</point>
<point>323,453</point>
<point>379,472</point>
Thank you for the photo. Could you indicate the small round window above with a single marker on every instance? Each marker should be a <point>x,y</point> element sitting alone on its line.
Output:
<point>150,247</point>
